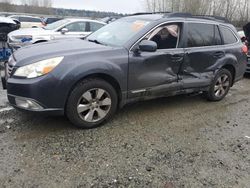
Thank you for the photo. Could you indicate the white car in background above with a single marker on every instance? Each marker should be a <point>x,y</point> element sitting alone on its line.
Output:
<point>66,28</point>
<point>27,21</point>
<point>241,34</point>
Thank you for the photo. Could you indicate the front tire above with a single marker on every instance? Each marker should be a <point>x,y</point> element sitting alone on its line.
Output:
<point>91,103</point>
<point>220,85</point>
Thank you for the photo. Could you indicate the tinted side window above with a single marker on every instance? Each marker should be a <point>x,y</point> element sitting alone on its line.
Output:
<point>203,35</point>
<point>35,20</point>
<point>95,26</point>
<point>23,19</point>
<point>77,27</point>
<point>228,36</point>
<point>29,19</point>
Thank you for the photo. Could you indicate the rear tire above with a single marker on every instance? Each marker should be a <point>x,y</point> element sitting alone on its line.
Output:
<point>91,103</point>
<point>220,85</point>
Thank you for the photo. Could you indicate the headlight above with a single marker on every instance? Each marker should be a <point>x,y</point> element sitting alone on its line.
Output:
<point>38,69</point>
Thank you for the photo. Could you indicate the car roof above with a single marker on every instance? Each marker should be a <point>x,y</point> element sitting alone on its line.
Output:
<point>27,16</point>
<point>83,19</point>
<point>6,20</point>
<point>165,16</point>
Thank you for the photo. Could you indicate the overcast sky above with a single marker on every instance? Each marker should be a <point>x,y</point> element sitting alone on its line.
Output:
<point>120,6</point>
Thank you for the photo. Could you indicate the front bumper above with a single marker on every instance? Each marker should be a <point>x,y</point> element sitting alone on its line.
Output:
<point>30,105</point>
<point>42,94</point>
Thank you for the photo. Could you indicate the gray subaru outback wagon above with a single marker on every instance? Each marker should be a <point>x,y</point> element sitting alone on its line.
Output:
<point>138,57</point>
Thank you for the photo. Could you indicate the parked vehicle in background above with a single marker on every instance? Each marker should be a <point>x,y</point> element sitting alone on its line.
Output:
<point>6,25</point>
<point>46,21</point>
<point>242,35</point>
<point>134,58</point>
<point>66,28</point>
<point>245,38</point>
<point>110,19</point>
<point>28,21</point>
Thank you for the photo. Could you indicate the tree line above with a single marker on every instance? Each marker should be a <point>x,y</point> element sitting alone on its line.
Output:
<point>236,11</point>
<point>44,7</point>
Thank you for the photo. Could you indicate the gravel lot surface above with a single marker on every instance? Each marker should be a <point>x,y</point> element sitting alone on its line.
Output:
<point>181,141</point>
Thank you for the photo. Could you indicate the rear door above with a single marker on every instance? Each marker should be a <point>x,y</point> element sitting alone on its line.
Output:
<point>94,26</point>
<point>203,50</point>
<point>156,73</point>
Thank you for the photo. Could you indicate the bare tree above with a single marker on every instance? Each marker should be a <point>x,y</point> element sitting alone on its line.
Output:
<point>233,10</point>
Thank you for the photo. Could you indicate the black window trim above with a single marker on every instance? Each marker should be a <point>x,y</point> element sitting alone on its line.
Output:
<point>159,25</point>
<point>222,45</point>
<point>188,21</point>
<point>221,38</point>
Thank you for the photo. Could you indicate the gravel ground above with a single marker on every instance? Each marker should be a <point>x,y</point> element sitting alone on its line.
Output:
<point>181,141</point>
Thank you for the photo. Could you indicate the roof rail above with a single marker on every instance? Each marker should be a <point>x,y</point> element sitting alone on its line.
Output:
<point>143,13</point>
<point>185,15</point>
<point>210,17</point>
<point>178,14</point>
<point>207,17</point>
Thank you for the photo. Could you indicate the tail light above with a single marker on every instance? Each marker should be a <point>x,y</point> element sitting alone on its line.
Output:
<point>244,49</point>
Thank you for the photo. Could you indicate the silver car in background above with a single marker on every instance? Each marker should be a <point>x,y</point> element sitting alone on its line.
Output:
<point>66,28</point>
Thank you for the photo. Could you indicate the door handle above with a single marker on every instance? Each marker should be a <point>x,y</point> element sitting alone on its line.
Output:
<point>177,57</point>
<point>219,54</point>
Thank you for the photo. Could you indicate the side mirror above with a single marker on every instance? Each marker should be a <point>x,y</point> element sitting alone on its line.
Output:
<point>64,30</point>
<point>147,46</point>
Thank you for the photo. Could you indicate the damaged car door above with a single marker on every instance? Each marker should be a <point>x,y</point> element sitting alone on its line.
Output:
<point>203,51</point>
<point>156,73</point>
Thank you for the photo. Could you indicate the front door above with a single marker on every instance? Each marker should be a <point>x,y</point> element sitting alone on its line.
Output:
<point>156,73</point>
<point>74,30</point>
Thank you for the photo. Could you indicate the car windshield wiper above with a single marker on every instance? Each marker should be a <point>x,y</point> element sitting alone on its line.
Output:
<point>95,41</point>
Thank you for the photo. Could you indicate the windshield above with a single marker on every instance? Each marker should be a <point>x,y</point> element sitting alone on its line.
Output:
<point>55,25</point>
<point>118,32</point>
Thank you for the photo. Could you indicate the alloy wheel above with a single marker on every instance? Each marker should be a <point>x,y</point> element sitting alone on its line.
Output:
<point>222,85</point>
<point>94,105</point>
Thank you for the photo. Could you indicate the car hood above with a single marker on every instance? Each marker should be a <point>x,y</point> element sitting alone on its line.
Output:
<point>30,31</point>
<point>56,48</point>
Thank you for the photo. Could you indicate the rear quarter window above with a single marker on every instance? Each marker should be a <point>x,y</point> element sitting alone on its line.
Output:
<point>200,35</point>
<point>228,35</point>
